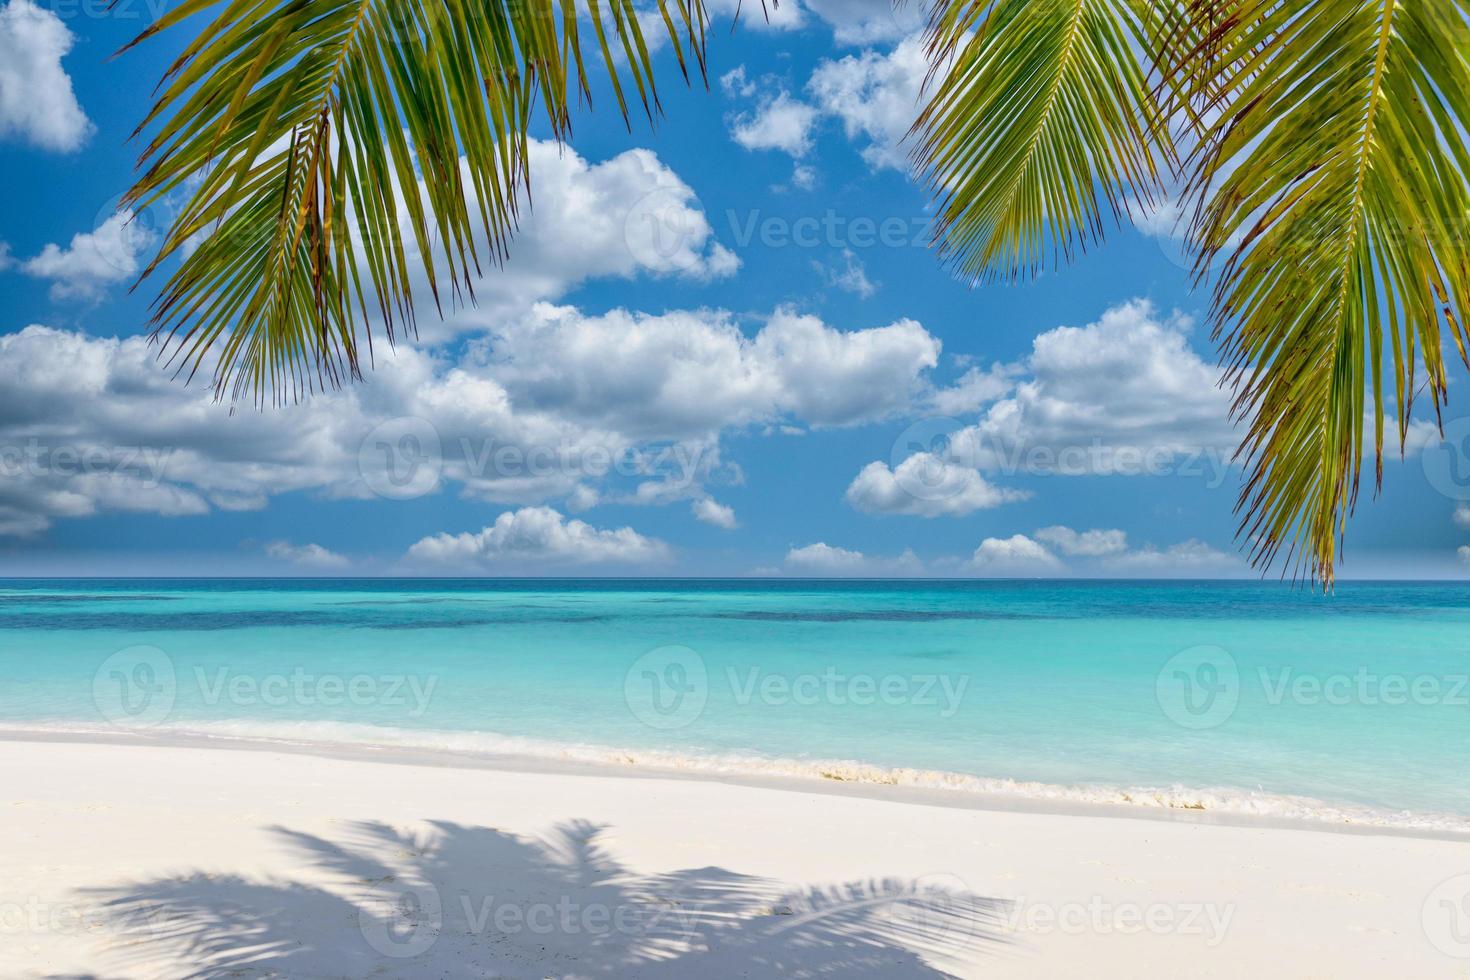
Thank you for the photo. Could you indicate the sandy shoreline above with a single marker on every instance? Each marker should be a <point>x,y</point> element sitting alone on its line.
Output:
<point>153,860</point>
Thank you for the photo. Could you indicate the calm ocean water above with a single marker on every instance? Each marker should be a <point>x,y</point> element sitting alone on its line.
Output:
<point>1239,697</point>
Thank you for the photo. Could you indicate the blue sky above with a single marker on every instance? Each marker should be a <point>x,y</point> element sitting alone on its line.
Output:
<point>721,346</point>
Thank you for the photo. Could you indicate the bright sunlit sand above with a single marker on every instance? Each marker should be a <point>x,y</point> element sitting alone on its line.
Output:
<point>141,860</point>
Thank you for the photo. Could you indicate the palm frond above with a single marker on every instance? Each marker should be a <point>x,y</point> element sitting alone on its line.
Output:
<point>306,133</point>
<point>1334,188</point>
<point>1042,125</point>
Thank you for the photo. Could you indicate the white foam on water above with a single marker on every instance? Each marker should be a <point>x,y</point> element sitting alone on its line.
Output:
<point>328,735</point>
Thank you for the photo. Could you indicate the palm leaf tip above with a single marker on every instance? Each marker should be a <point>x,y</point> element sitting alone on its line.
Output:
<point>316,140</point>
<point>1042,125</point>
<point>1333,211</point>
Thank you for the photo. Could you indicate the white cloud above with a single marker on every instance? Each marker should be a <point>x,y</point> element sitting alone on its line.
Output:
<point>876,96</point>
<point>1163,218</point>
<point>869,21</point>
<point>1085,544</point>
<point>306,555</point>
<point>923,485</point>
<point>583,498</point>
<point>1016,555</point>
<point>824,559</point>
<point>539,535</point>
<point>1187,557</point>
<point>37,103</point>
<point>787,15</point>
<point>710,511</point>
<point>1462,515</point>
<point>778,123</point>
<point>94,260</point>
<point>7,260</point>
<point>852,277</point>
<point>974,389</point>
<point>688,374</point>
<point>1125,395</point>
<point>1464,552</point>
<point>624,217</point>
<point>560,407</point>
<point>735,82</point>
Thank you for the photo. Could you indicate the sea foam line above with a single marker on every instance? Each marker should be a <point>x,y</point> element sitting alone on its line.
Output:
<point>341,735</point>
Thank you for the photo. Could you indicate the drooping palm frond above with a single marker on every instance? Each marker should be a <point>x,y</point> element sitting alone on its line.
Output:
<point>306,133</point>
<point>1042,124</point>
<point>1334,185</point>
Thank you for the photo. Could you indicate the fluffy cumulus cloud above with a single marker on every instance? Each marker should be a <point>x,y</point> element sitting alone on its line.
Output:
<point>1126,395</point>
<point>1016,555</point>
<point>688,374</point>
<point>711,511</point>
<point>1086,544</point>
<point>1098,551</point>
<point>827,560</point>
<point>558,407</point>
<point>851,21</point>
<point>624,217</point>
<point>787,15</point>
<point>539,535</point>
<point>1192,557</point>
<point>306,555</point>
<point>1056,552</point>
<point>925,485</point>
<point>779,122</point>
<point>876,97</point>
<point>850,277</point>
<point>37,103</point>
<point>95,260</point>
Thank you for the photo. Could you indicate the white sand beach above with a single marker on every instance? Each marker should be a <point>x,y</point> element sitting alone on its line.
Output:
<point>124,861</point>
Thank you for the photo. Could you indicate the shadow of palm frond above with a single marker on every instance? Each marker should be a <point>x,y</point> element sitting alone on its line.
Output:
<point>470,901</point>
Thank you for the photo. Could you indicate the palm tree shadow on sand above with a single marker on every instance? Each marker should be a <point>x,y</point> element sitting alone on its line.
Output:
<point>462,901</point>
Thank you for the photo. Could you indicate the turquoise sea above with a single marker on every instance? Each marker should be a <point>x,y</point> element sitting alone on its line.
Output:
<point>1236,697</point>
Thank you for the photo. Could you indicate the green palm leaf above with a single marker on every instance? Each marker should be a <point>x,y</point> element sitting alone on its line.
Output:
<point>1042,123</point>
<point>1335,189</point>
<point>306,133</point>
